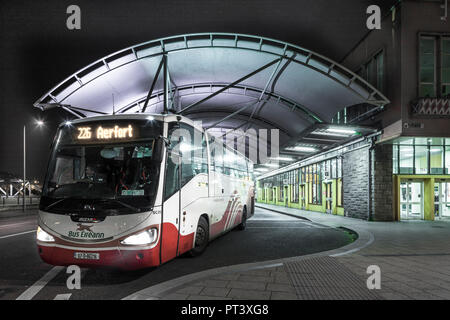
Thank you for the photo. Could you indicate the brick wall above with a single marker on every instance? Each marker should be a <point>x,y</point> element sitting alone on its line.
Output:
<point>382,183</point>
<point>356,184</point>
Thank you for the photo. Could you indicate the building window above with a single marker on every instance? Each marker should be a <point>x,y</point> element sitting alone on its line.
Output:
<point>373,70</point>
<point>434,66</point>
<point>333,169</point>
<point>294,186</point>
<point>436,159</point>
<point>422,156</point>
<point>315,190</point>
<point>280,189</point>
<point>263,193</point>
<point>421,159</point>
<point>445,66</point>
<point>340,193</point>
<point>447,158</point>
<point>339,167</point>
<point>427,66</point>
<point>406,159</point>
<point>340,185</point>
<point>395,159</point>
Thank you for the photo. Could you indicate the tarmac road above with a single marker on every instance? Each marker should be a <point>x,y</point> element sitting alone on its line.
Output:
<point>268,236</point>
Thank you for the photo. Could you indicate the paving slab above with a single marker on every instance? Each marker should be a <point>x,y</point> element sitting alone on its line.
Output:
<point>413,257</point>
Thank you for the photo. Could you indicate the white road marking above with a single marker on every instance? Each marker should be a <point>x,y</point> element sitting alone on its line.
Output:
<point>303,227</point>
<point>41,283</point>
<point>63,296</point>
<point>16,224</point>
<point>369,242</point>
<point>16,234</point>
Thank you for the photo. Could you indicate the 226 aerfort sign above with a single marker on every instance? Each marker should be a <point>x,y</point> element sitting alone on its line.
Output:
<point>105,133</point>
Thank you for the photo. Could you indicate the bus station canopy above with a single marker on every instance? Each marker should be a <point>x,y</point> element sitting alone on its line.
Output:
<point>231,82</point>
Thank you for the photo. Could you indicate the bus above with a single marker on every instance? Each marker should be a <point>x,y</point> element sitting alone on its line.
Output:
<point>135,191</point>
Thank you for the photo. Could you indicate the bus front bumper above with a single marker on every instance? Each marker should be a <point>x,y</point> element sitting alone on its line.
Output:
<point>129,259</point>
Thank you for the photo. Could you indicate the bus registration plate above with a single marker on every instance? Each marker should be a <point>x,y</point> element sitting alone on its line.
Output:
<point>86,255</point>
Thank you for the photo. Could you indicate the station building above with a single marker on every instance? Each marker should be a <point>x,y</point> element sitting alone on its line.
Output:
<point>401,169</point>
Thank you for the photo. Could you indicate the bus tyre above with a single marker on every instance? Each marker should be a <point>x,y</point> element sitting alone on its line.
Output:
<point>243,224</point>
<point>201,238</point>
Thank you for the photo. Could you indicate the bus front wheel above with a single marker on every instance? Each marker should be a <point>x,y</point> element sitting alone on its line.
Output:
<point>201,238</point>
<point>243,223</point>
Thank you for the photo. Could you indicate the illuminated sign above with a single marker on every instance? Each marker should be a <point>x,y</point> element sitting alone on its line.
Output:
<point>105,133</point>
<point>110,131</point>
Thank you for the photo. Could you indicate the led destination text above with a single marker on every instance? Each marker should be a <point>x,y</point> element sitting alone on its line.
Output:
<point>101,133</point>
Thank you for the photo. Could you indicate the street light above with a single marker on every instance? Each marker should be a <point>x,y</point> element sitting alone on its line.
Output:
<point>39,123</point>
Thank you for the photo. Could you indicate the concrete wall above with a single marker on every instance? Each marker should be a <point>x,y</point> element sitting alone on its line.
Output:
<point>398,38</point>
<point>356,184</point>
<point>419,17</point>
<point>388,39</point>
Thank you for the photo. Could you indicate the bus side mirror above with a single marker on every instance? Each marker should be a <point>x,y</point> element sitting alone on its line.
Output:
<point>166,141</point>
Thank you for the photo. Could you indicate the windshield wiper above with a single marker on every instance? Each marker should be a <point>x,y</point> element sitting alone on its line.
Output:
<point>126,205</point>
<point>56,202</point>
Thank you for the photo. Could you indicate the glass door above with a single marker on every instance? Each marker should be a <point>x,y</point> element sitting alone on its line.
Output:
<point>302,196</point>
<point>328,197</point>
<point>442,200</point>
<point>286,196</point>
<point>411,200</point>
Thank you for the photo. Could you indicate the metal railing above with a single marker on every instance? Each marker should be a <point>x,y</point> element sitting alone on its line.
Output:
<point>12,193</point>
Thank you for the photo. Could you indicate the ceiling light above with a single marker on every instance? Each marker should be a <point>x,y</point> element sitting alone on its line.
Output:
<point>303,149</point>
<point>342,131</point>
<point>281,159</point>
<point>326,133</point>
<point>272,165</point>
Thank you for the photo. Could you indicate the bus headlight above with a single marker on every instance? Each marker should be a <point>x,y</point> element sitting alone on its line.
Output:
<point>43,236</point>
<point>145,237</point>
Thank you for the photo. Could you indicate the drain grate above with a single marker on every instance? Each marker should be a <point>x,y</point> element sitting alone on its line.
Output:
<point>325,278</point>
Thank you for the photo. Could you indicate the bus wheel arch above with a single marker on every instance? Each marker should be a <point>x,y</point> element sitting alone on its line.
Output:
<point>243,224</point>
<point>201,236</point>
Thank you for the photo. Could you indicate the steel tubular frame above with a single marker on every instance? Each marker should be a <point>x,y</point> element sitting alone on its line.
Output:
<point>231,85</point>
<point>163,43</point>
<point>281,100</point>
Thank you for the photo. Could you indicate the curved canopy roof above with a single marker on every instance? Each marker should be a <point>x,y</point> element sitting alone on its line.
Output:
<point>229,81</point>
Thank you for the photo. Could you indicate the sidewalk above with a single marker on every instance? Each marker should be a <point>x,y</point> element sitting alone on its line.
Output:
<point>414,259</point>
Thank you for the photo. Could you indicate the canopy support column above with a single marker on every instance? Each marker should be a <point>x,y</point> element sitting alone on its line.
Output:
<point>152,86</point>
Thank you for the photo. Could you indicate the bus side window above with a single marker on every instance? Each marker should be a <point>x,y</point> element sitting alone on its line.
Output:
<point>204,155</point>
<point>187,154</point>
<point>172,175</point>
<point>200,155</point>
<point>218,157</point>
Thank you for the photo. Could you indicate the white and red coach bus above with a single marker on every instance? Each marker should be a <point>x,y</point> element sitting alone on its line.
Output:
<point>134,191</point>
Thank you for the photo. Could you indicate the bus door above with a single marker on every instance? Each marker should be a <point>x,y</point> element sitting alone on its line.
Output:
<point>194,183</point>
<point>172,207</point>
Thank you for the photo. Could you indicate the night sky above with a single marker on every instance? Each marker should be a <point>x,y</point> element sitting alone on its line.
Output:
<point>37,50</point>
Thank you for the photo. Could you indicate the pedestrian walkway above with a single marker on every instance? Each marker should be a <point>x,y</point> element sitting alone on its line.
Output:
<point>413,257</point>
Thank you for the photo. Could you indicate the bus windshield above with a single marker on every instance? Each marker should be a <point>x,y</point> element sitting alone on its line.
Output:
<point>105,179</point>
